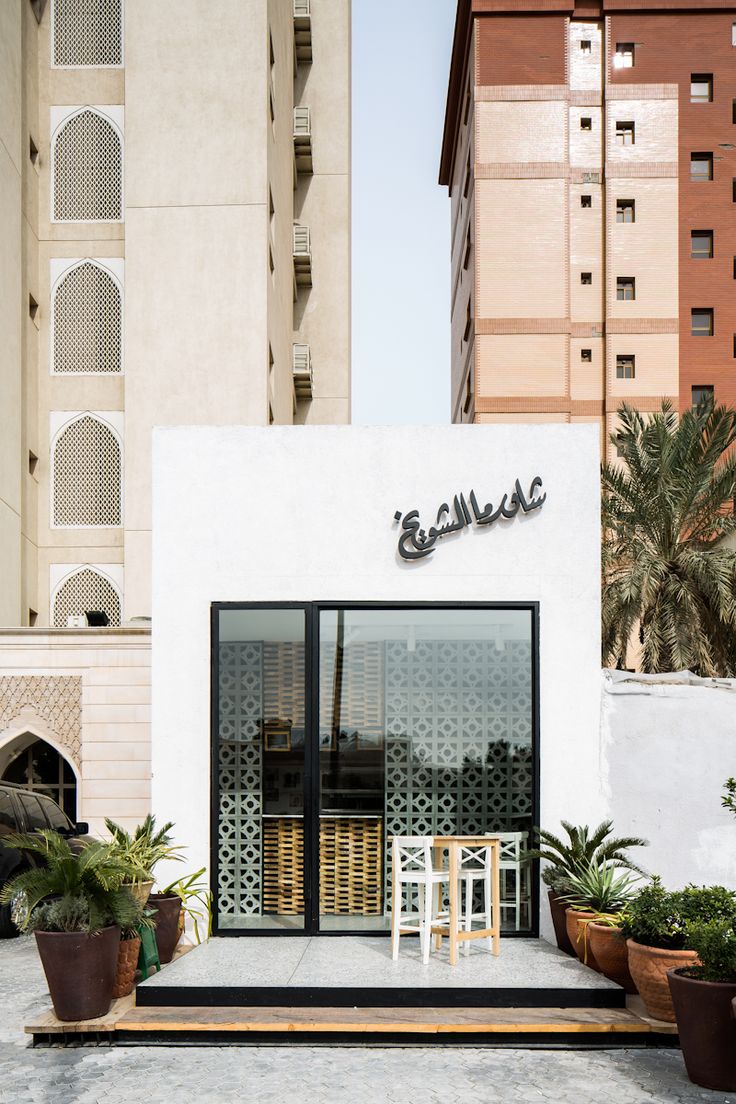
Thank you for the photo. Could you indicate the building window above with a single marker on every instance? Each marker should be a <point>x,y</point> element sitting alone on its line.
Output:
<point>733,111</point>
<point>586,201</point>
<point>624,56</point>
<point>468,394</point>
<point>625,287</point>
<point>85,591</point>
<point>87,320</point>
<point>625,210</point>
<point>733,189</point>
<point>87,475</point>
<point>86,33</point>
<point>586,278</point>
<point>701,244</point>
<point>468,249</point>
<point>585,45</point>
<point>703,393</point>
<point>586,123</point>
<point>701,166</point>
<point>625,366</point>
<point>586,355</point>
<point>466,185</point>
<point>87,169</point>
<point>468,321</point>
<point>701,322</point>
<point>733,34</point>
<point>701,88</point>
<point>734,268</point>
<point>625,133</point>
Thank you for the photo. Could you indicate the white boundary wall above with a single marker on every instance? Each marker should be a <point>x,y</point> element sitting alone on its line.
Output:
<point>306,513</point>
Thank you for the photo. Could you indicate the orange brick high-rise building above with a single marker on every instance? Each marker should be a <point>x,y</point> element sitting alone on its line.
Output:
<point>590,156</point>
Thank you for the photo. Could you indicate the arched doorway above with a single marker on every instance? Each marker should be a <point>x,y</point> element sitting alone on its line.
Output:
<point>37,766</point>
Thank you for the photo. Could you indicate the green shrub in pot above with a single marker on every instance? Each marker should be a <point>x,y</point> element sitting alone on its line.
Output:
<point>142,850</point>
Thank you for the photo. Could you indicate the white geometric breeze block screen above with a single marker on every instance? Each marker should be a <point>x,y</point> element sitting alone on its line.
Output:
<point>87,32</point>
<point>85,590</point>
<point>87,169</point>
<point>87,474</point>
<point>87,321</point>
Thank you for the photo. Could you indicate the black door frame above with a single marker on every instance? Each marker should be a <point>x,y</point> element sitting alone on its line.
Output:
<point>312,611</point>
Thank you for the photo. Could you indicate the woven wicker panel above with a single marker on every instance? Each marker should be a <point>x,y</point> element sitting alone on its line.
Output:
<point>283,866</point>
<point>88,32</point>
<point>361,676</point>
<point>350,867</point>
<point>85,590</point>
<point>88,170</point>
<point>87,474</point>
<point>283,682</point>
<point>87,321</point>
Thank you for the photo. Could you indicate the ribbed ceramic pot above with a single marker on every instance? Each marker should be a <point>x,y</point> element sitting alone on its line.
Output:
<point>649,966</point>
<point>127,966</point>
<point>611,953</point>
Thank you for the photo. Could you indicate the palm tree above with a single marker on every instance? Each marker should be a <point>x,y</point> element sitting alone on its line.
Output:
<point>666,512</point>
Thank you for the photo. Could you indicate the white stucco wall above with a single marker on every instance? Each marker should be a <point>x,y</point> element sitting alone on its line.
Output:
<point>306,514</point>
<point>665,753</point>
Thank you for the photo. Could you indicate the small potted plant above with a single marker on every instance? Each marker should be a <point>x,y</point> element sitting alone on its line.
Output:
<point>656,925</point>
<point>75,903</point>
<point>572,857</point>
<point>600,890</point>
<point>142,850</point>
<point>196,903</point>
<point>703,998</point>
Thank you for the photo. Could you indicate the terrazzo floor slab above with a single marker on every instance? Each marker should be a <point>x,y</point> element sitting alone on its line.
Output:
<point>365,962</point>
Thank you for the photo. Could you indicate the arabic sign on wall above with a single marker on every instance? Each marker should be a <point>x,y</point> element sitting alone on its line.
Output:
<point>415,543</point>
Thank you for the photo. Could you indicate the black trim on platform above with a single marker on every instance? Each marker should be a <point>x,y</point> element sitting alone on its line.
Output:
<point>312,612</point>
<point>238,996</point>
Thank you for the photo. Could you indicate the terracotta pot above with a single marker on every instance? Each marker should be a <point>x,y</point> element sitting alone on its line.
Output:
<point>80,971</point>
<point>649,966</point>
<point>609,949</point>
<point>140,891</point>
<point>577,930</point>
<point>127,966</point>
<point>558,910</point>
<point>166,920</point>
<point>707,1029</point>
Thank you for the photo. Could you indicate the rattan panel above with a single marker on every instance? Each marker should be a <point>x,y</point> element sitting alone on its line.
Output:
<point>88,170</point>
<point>87,321</point>
<point>87,475</point>
<point>88,32</point>
<point>82,592</point>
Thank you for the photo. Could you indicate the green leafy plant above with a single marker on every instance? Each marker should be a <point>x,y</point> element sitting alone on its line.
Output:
<point>668,573</point>
<point>657,917</point>
<point>81,886</point>
<point>145,847</point>
<point>190,891</point>
<point>715,944</point>
<point>580,851</point>
<point>728,799</point>
<point>599,888</point>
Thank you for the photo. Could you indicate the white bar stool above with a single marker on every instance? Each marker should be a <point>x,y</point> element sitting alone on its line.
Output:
<point>512,846</point>
<point>474,865</point>
<point>411,864</point>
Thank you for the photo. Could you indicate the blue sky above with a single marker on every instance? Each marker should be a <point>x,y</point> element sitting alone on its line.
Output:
<point>400,215</point>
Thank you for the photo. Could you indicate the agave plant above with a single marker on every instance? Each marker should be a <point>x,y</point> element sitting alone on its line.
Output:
<point>582,850</point>
<point>72,889</point>
<point>145,848</point>
<point>600,888</point>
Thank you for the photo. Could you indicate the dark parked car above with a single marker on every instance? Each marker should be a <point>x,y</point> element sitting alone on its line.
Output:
<point>23,811</point>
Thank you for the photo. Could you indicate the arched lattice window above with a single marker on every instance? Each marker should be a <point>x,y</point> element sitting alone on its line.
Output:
<point>87,32</point>
<point>87,474</point>
<point>83,591</point>
<point>87,169</point>
<point>87,321</point>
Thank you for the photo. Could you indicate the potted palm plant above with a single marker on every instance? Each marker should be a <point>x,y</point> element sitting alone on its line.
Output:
<point>703,998</point>
<point>75,902</point>
<point>142,850</point>
<point>656,927</point>
<point>573,856</point>
<point>598,891</point>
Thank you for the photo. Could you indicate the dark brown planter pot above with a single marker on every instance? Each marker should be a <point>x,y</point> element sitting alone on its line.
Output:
<point>609,949</point>
<point>167,924</point>
<point>577,930</point>
<point>127,965</point>
<point>707,1030</point>
<point>649,966</point>
<point>80,971</point>
<point>558,909</point>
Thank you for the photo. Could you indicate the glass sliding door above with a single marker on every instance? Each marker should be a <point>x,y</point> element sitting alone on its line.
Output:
<point>260,769</point>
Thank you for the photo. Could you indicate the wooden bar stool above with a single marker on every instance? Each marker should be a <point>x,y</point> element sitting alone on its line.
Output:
<point>411,866</point>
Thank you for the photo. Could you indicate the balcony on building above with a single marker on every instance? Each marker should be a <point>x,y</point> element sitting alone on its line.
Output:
<point>302,371</point>
<point>302,141</point>
<point>302,31</point>
<point>302,254</point>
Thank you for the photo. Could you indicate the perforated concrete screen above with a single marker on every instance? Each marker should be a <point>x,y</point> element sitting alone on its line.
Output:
<point>87,475</point>
<point>88,170</point>
<point>87,321</point>
<point>86,590</point>
<point>87,32</point>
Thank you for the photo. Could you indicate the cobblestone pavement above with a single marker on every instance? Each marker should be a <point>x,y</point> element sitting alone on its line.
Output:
<point>319,1075</point>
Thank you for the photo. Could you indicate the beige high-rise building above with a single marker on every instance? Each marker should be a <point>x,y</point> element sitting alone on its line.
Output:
<point>174,218</point>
